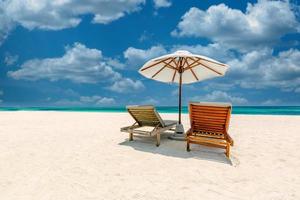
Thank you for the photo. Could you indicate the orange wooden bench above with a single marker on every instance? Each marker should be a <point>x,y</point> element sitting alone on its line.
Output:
<point>209,125</point>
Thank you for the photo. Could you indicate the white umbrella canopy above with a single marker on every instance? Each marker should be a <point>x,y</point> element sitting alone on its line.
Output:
<point>182,67</point>
<point>194,68</point>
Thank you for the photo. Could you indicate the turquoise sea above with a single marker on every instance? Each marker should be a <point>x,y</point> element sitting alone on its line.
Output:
<point>251,110</point>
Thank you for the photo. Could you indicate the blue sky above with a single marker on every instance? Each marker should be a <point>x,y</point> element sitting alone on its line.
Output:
<point>87,53</point>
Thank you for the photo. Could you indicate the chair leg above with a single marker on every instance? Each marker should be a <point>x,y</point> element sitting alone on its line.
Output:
<point>130,136</point>
<point>157,139</point>
<point>227,150</point>
<point>188,145</point>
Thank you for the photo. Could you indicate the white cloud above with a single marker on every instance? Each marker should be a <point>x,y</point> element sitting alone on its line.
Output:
<point>297,90</point>
<point>115,63</point>
<point>126,85</point>
<point>272,102</point>
<point>261,69</point>
<point>60,14</point>
<point>57,14</point>
<point>10,59</point>
<point>87,101</point>
<point>213,50</point>
<point>137,57</point>
<point>145,36</point>
<point>220,85</point>
<point>162,3</point>
<point>68,102</point>
<point>149,101</point>
<point>254,69</point>
<point>263,23</point>
<point>175,92</point>
<point>6,24</point>
<point>220,96</point>
<point>97,100</point>
<point>1,94</point>
<point>70,92</point>
<point>79,64</point>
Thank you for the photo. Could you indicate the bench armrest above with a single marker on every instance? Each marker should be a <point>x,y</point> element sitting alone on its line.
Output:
<point>189,132</point>
<point>230,140</point>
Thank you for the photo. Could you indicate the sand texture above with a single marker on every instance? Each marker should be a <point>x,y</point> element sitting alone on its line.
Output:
<point>74,155</point>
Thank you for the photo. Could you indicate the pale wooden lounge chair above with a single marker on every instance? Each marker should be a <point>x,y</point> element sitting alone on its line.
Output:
<point>147,116</point>
<point>209,125</point>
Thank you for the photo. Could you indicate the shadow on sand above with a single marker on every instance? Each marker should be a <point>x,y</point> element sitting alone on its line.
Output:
<point>176,149</point>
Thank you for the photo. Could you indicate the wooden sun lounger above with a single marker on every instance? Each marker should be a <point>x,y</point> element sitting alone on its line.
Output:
<point>147,116</point>
<point>209,125</point>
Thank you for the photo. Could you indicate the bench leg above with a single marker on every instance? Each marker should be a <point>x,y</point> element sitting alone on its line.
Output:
<point>130,136</point>
<point>157,139</point>
<point>188,145</point>
<point>227,150</point>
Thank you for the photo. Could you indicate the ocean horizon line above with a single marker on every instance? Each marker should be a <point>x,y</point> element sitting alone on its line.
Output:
<point>251,110</point>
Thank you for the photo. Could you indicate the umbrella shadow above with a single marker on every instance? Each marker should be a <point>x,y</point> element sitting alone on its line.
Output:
<point>177,149</point>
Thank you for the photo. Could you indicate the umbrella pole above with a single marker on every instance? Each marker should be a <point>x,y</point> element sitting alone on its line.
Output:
<point>179,100</point>
<point>179,127</point>
<point>179,130</point>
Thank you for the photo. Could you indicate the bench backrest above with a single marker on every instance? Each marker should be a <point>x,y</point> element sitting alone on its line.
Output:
<point>210,117</point>
<point>145,115</point>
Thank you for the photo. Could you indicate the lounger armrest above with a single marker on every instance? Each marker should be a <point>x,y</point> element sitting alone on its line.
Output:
<point>189,132</point>
<point>127,128</point>
<point>229,139</point>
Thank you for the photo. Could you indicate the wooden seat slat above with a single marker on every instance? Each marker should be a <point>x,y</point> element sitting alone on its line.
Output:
<point>208,125</point>
<point>219,109</point>
<point>201,116</point>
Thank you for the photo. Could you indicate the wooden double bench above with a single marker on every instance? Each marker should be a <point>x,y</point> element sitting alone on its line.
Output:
<point>209,125</point>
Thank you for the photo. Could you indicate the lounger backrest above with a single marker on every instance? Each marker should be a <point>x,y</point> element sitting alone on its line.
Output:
<point>145,115</point>
<point>210,117</point>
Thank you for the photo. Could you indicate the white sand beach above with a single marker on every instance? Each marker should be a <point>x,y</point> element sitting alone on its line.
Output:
<point>81,155</point>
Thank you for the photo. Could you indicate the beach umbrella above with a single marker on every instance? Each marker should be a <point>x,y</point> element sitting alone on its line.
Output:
<point>182,67</point>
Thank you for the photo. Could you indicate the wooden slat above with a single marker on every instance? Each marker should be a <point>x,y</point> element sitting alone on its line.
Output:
<point>146,116</point>
<point>206,111</point>
<point>198,126</point>
<point>224,115</point>
<point>209,113</point>
<point>210,108</point>
<point>208,128</point>
<point>143,113</point>
<point>204,114</point>
<point>140,110</point>
<point>224,111</point>
<point>206,120</point>
<point>209,121</point>
<point>217,117</point>
<point>208,117</point>
<point>146,119</point>
<point>208,133</point>
<point>208,142</point>
<point>217,136</point>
